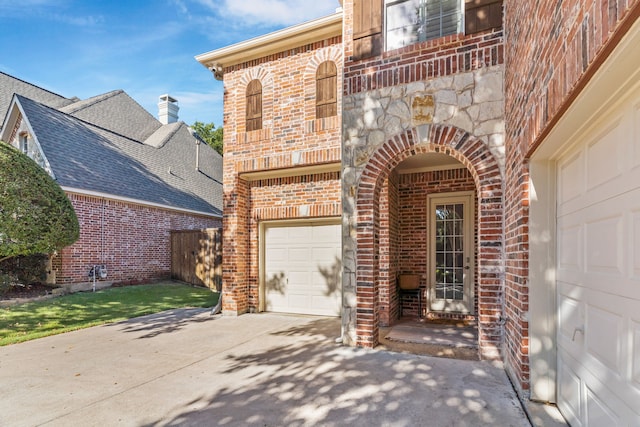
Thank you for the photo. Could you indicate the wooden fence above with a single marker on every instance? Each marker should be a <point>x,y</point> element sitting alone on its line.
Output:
<point>196,257</point>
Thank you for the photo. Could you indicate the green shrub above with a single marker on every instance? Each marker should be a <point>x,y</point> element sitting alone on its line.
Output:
<point>35,214</point>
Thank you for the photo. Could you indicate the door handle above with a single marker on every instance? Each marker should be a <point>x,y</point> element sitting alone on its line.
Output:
<point>466,267</point>
<point>576,330</point>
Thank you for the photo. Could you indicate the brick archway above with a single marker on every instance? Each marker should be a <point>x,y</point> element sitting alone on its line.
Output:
<point>473,154</point>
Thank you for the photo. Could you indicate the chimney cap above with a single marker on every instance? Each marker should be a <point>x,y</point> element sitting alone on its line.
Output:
<point>168,98</point>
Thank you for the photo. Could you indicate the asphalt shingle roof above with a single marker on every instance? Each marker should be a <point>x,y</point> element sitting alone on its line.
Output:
<point>10,85</point>
<point>91,157</point>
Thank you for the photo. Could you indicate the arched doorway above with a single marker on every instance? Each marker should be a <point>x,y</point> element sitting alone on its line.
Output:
<point>376,263</point>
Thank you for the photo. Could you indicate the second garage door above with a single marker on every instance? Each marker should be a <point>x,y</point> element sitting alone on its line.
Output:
<point>599,272</point>
<point>302,269</point>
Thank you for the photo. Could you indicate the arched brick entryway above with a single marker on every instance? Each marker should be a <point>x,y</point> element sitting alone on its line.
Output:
<point>473,154</point>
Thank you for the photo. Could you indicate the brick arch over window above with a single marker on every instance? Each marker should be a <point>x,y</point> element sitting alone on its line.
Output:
<point>333,54</point>
<point>474,154</point>
<point>266,80</point>
<point>326,90</point>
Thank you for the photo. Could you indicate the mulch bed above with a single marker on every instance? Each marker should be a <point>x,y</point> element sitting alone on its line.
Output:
<point>26,291</point>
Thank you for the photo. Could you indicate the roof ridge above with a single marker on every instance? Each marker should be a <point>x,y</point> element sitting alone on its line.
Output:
<point>91,101</point>
<point>172,128</point>
<point>35,86</point>
<point>79,119</point>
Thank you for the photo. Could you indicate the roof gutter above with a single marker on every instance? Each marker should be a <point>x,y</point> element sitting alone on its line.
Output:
<point>278,41</point>
<point>136,201</point>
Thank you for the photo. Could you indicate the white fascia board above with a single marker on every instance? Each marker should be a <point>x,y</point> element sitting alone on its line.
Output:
<point>297,35</point>
<point>136,201</point>
<point>11,119</point>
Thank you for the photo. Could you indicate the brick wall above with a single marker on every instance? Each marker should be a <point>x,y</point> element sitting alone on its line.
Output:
<point>291,138</point>
<point>131,240</point>
<point>549,59</point>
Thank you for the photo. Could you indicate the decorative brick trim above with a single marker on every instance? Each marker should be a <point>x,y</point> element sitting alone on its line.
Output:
<point>289,159</point>
<point>332,53</point>
<point>484,169</point>
<point>445,56</point>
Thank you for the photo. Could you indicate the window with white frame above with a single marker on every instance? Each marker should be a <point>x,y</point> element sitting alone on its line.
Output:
<point>413,21</point>
<point>23,142</point>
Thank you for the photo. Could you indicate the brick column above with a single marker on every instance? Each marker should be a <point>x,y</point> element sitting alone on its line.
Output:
<point>235,253</point>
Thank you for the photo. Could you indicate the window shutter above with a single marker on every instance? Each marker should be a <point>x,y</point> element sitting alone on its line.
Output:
<point>482,15</point>
<point>254,106</point>
<point>367,28</point>
<point>326,90</point>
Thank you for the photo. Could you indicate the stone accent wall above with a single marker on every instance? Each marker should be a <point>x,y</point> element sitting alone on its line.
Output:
<point>383,126</point>
<point>132,240</point>
<point>549,59</point>
<point>291,138</point>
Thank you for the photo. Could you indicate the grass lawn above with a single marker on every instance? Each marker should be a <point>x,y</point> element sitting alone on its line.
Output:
<point>32,320</point>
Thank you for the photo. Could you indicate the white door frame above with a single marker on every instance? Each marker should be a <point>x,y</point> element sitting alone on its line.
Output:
<point>466,305</point>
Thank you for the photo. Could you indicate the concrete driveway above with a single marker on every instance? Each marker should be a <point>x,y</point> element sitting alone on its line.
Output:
<point>184,367</point>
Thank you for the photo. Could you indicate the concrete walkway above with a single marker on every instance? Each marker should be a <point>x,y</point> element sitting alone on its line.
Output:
<point>184,368</point>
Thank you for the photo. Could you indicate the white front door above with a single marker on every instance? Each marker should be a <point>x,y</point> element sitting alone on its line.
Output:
<point>598,272</point>
<point>302,269</point>
<point>451,261</point>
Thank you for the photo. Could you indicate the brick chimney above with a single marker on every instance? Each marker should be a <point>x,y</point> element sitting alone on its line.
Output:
<point>167,109</point>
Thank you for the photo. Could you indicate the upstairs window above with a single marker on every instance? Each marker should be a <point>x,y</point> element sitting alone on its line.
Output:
<point>413,21</point>
<point>254,106</point>
<point>23,142</point>
<point>326,90</point>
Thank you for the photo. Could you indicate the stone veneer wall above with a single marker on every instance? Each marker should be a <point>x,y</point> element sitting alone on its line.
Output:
<point>132,240</point>
<point>470,104</point>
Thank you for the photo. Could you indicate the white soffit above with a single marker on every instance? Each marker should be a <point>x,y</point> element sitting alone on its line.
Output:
<point>278,41</point>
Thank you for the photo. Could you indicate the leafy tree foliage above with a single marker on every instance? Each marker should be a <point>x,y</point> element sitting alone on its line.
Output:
<point>210,134</point>
<point>35,214</point>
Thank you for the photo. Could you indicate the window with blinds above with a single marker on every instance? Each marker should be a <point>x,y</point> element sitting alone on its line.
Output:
<point>254,106</point>
<point>412,21</point>
<point>326,90</point>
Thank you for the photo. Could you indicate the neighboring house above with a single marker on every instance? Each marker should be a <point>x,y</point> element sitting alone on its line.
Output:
<point>490,149</point>
<point>130,177</point>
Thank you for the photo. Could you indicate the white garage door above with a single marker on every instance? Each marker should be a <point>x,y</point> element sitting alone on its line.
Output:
<point>302,269</point>
<point>598,273</point>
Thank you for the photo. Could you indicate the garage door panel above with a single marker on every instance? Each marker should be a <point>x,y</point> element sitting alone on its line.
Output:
<point>299,254</point>
<point>598,412</point>
<point>570,317</point>
<point>305,270</point>
<point>635,353</point>
<point>608,145</point>
<point>634,249</point>
<point>636,136</point>
<point>604,241</point>
<point>569,389</point>
<point>570,247</point>
<point>603,337</point>
<point>571,179</point>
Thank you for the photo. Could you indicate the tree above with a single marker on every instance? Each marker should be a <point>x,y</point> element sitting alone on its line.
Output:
<point>209,134</point>
<point>35,214</point>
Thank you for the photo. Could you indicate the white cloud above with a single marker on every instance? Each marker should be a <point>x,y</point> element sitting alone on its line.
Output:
<point>272,12</point>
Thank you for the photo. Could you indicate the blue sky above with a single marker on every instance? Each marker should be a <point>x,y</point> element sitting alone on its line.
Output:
<point>145,47</point>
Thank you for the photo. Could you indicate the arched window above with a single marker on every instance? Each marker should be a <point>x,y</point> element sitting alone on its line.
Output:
<point>326,90</point>
<point>254,105</point>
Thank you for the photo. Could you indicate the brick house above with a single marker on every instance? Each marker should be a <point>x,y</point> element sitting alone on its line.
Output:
<point>130,177</point>
<point>472,145</point>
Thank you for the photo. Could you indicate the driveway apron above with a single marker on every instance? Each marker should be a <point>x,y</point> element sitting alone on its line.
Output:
<point>185,367</point>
